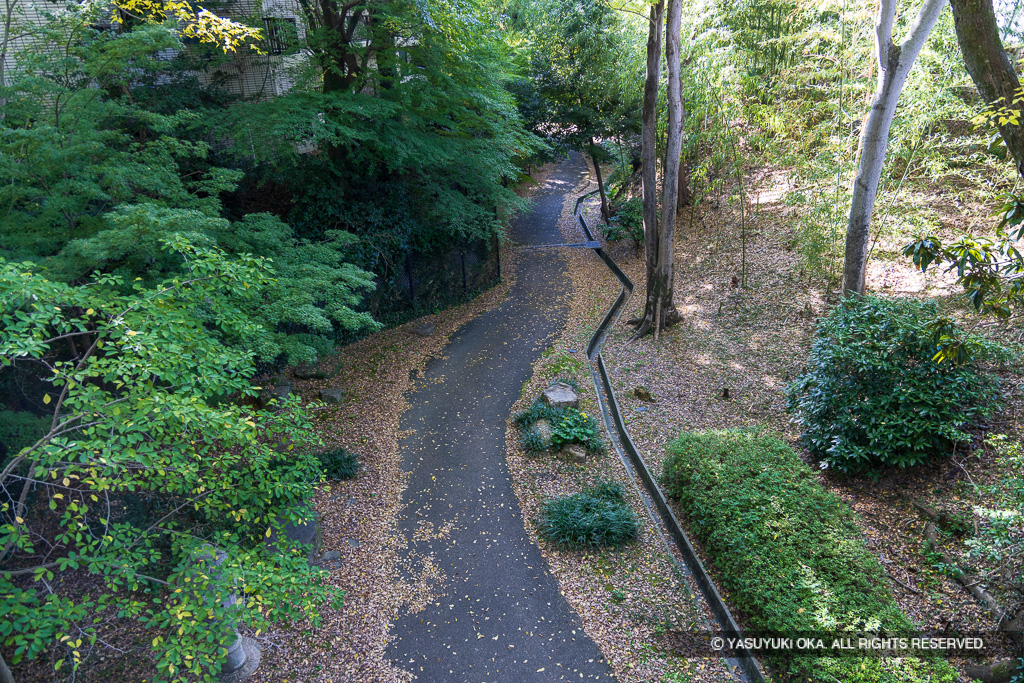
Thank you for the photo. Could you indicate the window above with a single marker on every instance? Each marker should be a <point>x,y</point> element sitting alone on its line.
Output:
<point>280,33</point>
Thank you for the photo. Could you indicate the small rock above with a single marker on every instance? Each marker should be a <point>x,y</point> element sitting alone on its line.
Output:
<point>354,542</point>
<point>278,391</point>
<point>574,452</point>
<point>424,329</point>
<point>642,409</point>
<point>332,395</point>
<point>560,395</point>
<point>285,445</point>
<point>543,428</point>
<point>644,394</point>
<point>306,532</point>
<point>330,556</point>
<point>308,372</point>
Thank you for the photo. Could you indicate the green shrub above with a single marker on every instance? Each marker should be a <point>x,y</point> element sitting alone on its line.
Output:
<point>568,425</point>
<point>339,464</point>
<point>19,429</point>
<point>538,410</point>
<point>787,551</point>
<point>627,223</point>
<point>577,427</point>
<point>871,394</point>
<point>595,517</point>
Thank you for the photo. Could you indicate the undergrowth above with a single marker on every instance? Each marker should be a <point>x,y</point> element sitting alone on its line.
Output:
<point>788,552</point>
<point>596,517</point>
<point>339,463</point>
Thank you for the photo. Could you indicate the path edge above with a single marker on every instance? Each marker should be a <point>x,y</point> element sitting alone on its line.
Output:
<point>749,666</point>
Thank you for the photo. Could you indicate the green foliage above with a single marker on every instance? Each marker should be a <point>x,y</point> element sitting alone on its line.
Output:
<point>338,463</point>
<point>301,313</point>
<point>531,440</point>
<point>139,412</point>
<point>873,395</point>
<point>568,425</point>
<point>581,77</point>
<point>997,545</point>
<point>97,183</point>
<point>69,151</point>
<point>787,551</point>
<point>627,222</point>
<point>20,429</point>
<point>577,427</point>
<point>596,517</point>
<point>990,269</point>
<point>538,410</point>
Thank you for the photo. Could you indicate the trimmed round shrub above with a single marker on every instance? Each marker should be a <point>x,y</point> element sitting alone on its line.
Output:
<point>339,463</point>
<point>596,517</point>
<point>872,396</point>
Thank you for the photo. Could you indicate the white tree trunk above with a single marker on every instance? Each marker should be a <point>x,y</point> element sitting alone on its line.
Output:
<point>894,64</point>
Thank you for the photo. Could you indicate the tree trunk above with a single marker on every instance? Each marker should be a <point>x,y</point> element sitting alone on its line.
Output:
<point>605,213</point>
<point>894,65</point>
<point>648,172</point>
<point>685,194</point>
<point>659,308</point>
<point>673,151</point>
<point>10,7</point>
<point>5,673</point>
<point>988,65</point>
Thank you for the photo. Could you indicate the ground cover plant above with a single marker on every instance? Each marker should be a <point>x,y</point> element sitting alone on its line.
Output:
<point>595,517</point>
<point>874,395</point>
<point>339,463</point>
<point>566,426</point>
<point>787,552</point>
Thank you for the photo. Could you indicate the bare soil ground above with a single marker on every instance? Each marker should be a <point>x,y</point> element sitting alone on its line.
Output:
<point>728,363</point>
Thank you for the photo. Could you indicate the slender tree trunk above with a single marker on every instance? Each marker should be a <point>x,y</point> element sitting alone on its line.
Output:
<point>10,7</point>
<point>988,65</point>
<point>5,673</point>
<point>673,152</point>
<point>605,213</point>
<point>648,171</point>
<point>685,195</point>
<point>894,63</point>
<point>659,309</point>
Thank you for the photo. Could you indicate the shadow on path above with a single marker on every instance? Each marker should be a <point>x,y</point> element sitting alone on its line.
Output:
<point>500,616</point>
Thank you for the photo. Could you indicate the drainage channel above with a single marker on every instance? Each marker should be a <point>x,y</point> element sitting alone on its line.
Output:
<point>745,664</point>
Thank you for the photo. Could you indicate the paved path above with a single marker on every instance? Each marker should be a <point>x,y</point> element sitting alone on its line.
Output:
<point>501,617</point>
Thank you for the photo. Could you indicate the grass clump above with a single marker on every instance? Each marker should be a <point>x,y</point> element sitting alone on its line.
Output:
<point>596,517</point>
<point>568,425</point>
<point>873,396</point>
<point>788,552</point>
<point>532,440</point>
<point>339,463</point>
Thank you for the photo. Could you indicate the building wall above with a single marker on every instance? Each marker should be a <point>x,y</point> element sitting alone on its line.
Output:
<point>244,73</point>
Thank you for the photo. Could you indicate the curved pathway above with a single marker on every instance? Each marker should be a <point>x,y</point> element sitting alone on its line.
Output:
<point>499,616</point>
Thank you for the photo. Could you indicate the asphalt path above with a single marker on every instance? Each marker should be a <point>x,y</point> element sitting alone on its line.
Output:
<point>498,615</point>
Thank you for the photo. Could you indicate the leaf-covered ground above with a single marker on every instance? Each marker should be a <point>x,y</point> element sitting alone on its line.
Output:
<point>752,341</point>
<point>630,599</point>
<point>359,517</point>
